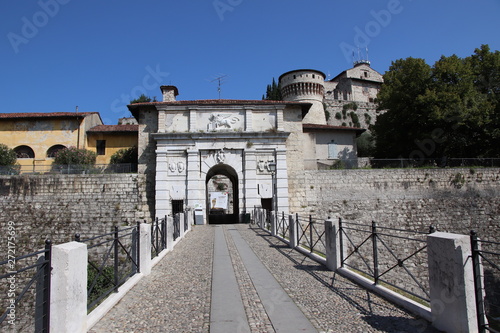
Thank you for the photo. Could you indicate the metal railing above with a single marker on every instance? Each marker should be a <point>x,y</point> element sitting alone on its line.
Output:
<point>17,310</point>
<point>311,234</point>
<point>282,227</point>
<point>389,256</point>
<point>158,236</point>
<point>486,267</point>
<point>118,252</point>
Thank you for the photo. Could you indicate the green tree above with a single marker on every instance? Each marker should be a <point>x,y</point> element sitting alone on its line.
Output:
<point>365,145</point>
<point>273,92</point>
<point>75,156</point>
<point>143,99</point>
<point>125,155</point>
<point>7,156</point>
<point>449,109</point>
<point>396,129</point>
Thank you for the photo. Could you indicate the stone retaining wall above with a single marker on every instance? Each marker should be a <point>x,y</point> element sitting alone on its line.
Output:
<point>58,206</point>
<point>454,200</point>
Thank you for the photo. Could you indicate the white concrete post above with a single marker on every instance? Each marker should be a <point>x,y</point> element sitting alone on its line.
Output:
<point>170,233</point>
<point>68,292</point>
<point>145,248</point>
<point>273,223</point>
<point>451,281</point>
<point>332,242</point>
<point>293,234</point>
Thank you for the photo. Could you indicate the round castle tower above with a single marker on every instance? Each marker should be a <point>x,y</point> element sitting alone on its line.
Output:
<point>305,85</point>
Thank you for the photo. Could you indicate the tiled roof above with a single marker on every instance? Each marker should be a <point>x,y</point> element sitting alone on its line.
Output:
<point>46,115</point>
<point>316,127</point>
<point>114,128</point>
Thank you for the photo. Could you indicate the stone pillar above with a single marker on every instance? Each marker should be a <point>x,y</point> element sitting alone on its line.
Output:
<point>451,281</point>
<point>145,248</point>
<point>192,120</point>
<point>248,120</point>
<point>196,186</point>
<point>293,232</point>
<point>332,243</point>
<point>68,293</point>
<point>251,191</point>
<point>162,202</point>
<point>282,181</point>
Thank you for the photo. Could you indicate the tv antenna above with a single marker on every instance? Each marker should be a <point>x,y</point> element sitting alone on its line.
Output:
<point>220,82</point>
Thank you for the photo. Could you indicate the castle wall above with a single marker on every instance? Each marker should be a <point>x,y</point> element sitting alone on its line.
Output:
<point>58,206</point>
<point>454,200</point>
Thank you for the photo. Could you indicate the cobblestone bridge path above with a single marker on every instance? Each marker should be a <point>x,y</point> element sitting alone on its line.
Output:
<point>236,278</point>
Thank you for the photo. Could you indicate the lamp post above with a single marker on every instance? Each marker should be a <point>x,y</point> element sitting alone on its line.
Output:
<point>272,169</point>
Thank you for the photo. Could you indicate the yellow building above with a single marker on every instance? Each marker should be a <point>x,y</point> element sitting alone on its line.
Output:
<point>106,140</point>
<point>36,137</point>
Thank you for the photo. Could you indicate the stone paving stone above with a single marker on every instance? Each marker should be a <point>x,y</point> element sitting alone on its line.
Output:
<point>331,302</point>
<point>175,297</point>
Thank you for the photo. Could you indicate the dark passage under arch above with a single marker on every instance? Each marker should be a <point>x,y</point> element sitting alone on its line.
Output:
<point>219,216</point>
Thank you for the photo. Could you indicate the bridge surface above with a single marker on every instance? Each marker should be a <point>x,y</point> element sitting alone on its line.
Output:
<point>236,278</point>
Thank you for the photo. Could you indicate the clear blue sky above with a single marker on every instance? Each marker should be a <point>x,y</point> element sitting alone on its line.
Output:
<point>57,54</point>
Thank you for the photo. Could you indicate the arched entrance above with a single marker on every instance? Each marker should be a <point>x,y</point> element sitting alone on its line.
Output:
<point>222,193</point>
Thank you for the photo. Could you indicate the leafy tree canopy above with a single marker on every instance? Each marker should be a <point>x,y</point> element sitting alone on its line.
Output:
<point>125,155</point>
<point>7,156</point>
<point>450,109</point>
<point>74,156</point>
<point>273,92</point>
<point>143,99</point>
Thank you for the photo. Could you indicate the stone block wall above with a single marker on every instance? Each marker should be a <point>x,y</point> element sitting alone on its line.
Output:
<point>453,200</point>
<point>58,206</point>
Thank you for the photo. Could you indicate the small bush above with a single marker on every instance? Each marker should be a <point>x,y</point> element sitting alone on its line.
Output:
<point>75,156</point>
<point>8,156</point>
<point>125,155</point>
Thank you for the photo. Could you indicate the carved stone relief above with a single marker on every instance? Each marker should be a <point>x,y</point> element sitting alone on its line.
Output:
<point>220,122</point>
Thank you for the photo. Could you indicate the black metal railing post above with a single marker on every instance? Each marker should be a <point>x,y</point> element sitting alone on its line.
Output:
<point>138,265</point>
<point>77,237</point>
<point>375,252</point>
<point>164,230</point>
<point>341,241</point>
<point>478,283</point>
<point>46,287</point>
<point>156,236</point>
<point>310,234</point>
<point>115,244</point>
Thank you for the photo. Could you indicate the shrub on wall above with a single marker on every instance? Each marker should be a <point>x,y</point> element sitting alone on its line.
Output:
<point>75,156</point>
<point>8,161</point>
<point>7,156</point>
<point>125,155</point>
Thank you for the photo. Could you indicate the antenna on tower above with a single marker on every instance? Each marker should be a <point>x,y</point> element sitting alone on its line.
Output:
<point>220,81</point>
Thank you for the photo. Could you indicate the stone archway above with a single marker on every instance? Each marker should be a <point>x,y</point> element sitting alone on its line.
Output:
<point>217,215</point>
